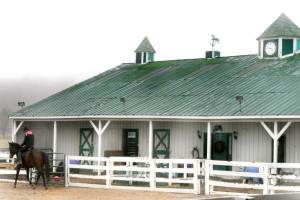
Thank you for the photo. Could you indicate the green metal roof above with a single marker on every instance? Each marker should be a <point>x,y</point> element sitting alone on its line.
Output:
<point>145,46</point>
<point>281,27</point>
<point>191,87</point>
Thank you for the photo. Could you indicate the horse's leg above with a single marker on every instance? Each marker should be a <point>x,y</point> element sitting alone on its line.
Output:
<point>37,179</point>
<point>43,177</point>
<point>27,175</point>
<point>17,175</point>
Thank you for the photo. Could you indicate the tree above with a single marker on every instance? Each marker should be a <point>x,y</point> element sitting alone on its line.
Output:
<point>4,121</point>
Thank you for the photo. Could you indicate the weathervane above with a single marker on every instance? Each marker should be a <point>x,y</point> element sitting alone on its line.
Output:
<point>213,42</point>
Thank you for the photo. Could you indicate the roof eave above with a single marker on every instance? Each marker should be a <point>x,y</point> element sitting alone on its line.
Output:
<point>157,118</point>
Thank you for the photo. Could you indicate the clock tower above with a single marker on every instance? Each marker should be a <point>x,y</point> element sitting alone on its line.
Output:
<point>280,40</point>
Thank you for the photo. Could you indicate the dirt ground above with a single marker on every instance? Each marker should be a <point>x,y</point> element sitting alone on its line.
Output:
<point>25,192</point>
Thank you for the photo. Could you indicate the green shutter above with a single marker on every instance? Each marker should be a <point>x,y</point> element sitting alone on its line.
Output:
<point>298,45</point>
<point>138,58</point>
<point>150,56</point>
<point>287,46</point>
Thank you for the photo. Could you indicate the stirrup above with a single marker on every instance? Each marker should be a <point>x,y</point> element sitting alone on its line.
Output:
<point>19,162</point>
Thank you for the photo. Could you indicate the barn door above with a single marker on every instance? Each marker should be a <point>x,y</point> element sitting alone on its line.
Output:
<point>221,149</point>
<point>161,143</point>
<point>131,142</point>
<point>86,147</point>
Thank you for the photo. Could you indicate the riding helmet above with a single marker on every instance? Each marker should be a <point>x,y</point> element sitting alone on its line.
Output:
<point>26,128</point>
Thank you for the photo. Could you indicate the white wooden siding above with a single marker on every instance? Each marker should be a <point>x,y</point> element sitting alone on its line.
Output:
<point>43,134</point>
<point>253,143</point>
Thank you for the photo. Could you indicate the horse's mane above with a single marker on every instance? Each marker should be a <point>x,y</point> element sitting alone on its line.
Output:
<point>16,145</point>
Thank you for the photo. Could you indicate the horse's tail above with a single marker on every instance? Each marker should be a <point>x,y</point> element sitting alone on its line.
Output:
<point>47,165</point>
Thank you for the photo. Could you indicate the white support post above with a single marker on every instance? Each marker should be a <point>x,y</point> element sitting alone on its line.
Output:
<point>150,139</point>
<point>142,58</point>
<point>261,49</point>
<point>208,141</point>
<point>280,48</point>
<point>54,144</point>
<point>100,131</point>
<point>275,147</point>
<point>147,55</point>
<point>99,146</point>
<point>14,126</point>
<point>275,155</point>
<point>15,130</point>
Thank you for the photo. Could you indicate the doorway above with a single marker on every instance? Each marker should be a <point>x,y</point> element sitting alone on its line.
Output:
<point>131,142</point>
<point>86,144</point>
<point>221,149</point>
<point>161,143</point>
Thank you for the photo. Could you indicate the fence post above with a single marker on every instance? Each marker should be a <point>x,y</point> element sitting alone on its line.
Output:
<point>185,167</point>
<point>67,170</point>
<point>152,174</point>
<point>266,180</point>
<point>108,183</point>
<point>196,180</point>
<point>207,190</point>
<point>170,172</point>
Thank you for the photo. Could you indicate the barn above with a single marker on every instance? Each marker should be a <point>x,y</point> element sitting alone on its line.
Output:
<point>235,108</point>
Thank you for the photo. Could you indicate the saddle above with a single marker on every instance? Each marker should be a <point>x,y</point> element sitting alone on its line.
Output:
<point>25,152</point>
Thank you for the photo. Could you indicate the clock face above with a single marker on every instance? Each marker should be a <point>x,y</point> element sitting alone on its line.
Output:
<point>271,48</point>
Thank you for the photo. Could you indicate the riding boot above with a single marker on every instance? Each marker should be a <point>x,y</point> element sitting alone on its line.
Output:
<point>19,158</point>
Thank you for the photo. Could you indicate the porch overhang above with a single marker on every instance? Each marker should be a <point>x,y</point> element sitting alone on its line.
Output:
<point>250,118</point>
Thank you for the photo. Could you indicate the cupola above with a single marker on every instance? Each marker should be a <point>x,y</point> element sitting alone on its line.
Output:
<point>145,52</point>
<point>281,39</point>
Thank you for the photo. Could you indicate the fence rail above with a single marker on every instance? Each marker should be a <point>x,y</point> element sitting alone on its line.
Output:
<point>267,173</point>
<point>149,171</point>
<point>128,172</point>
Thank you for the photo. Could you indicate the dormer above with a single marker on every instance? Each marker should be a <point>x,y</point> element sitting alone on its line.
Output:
<point>280,40</point>
<point>145,52</point>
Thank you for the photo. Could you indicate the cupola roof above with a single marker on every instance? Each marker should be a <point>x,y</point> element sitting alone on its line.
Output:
<point>281,27</point>
<point>145,46</point>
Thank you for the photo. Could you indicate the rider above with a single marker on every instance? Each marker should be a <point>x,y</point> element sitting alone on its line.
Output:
<point>28,144</point>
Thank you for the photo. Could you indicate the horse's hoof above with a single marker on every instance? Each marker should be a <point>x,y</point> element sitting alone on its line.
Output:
<point>15,186</point>
<point>46,188</point>
<point>34,186</point>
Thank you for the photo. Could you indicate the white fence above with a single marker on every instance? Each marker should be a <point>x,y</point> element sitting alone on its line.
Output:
<point>4,159</point>
<point>150,171</point>
<point>266,173</point>
<point>166,174</point>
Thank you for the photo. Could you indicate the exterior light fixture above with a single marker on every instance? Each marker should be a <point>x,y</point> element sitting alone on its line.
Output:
<point>199,135</point>
<point>218,128</point>
<point>240,99</point>
<point>235,135</point>
<point>22,104</point>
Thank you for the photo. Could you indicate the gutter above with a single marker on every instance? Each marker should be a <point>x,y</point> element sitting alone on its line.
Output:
<point>162,118</point>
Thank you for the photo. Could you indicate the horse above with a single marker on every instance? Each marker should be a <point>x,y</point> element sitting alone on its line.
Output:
<point>30,159</point>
